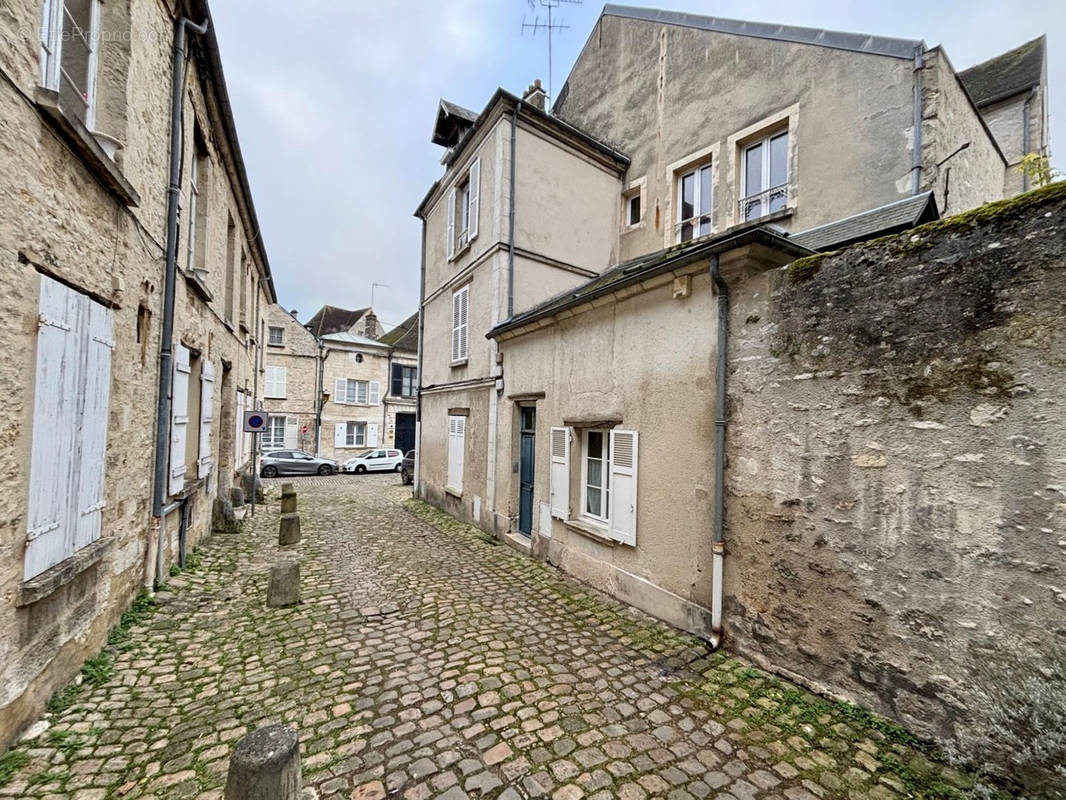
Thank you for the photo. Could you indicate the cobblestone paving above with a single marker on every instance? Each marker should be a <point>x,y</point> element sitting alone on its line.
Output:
<point>429,662</point>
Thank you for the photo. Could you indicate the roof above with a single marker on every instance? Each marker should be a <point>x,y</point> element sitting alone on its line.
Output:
<point>1007,74</point>
<point>881,221</point>
<point>352,338</point>
<point>643,267</point>
<point>330,319</point>
<point>200,9</point>
<point>452,121</point>
<point>404,336</point>
<point>858,42</point>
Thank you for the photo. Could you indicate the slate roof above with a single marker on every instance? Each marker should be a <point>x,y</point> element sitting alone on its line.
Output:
<point>452,121</point>
<point>858,42</point>
<point>330,319</point>
<point>352,338</point>
<point>1007,74</point>
<point>890,218</point>
<point>404,336</point>
<point>643,267</point>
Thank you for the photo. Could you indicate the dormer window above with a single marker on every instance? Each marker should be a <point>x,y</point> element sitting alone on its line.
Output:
<point>463,210</point>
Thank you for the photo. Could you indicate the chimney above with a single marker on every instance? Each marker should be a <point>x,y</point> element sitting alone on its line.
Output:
<point>294,314</point>
<point>370,325</point>
<point>535,95</point>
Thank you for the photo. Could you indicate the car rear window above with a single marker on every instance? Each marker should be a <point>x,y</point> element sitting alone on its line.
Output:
<point>393,453</point>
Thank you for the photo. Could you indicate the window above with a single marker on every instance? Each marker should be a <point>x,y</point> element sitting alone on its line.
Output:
<point>694,195</point>
<point>460,324</point>
<point>456,452</point>
<point>596,476</point>
<point>274,434</point>
<point>70,37</point>
<point>197,256</point>
<point>231,250</point>
<point>633,210</point>
<point>463,205</point>
<point>68,454</point>
<point>277,335</point>
<point>355,434</point>
<point>276,383</point>
<point>244,276</point>
<point>404,381</point>
<point>764,177</point>
<point>349,391</point>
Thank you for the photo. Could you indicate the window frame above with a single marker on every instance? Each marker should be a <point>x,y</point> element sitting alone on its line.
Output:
<point>765,141</point>
<point>354,433</point>
<point>53,35</point>
<point>605,477</point>
<point>696,171</point>
<point>281,335</point>
<point>269,440</point>
<point>406,376</point>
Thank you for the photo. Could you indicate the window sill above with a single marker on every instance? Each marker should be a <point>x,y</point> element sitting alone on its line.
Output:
<point>773,216</point>
<point>61,574</point>
<point>458,493</point>
<point>196,283</point>
<point>592,530</point>
<point>274,344</point>
<point>460,363</point>
<point>462,251</point>
<point>86,147</point>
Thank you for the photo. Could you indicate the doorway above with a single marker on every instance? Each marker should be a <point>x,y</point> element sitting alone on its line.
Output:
<point>528,430</point>
<point>405,432</point>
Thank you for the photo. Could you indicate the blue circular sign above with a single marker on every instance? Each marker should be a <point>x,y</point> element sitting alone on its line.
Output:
<point>256,421</point>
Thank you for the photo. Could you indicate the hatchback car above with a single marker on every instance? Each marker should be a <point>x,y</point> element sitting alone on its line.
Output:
<point>407,468</point>
<point>375,461</point>
<point>295,462</point>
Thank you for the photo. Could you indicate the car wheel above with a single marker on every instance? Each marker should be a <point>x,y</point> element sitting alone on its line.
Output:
<point>270,471</point>
<point>325,469</point>
<point>399,467</point>
<point>360,469</point>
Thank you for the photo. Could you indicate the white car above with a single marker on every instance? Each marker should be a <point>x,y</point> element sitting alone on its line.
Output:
<point>375,461</point>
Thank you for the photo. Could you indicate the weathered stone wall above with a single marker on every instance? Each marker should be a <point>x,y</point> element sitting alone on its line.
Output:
<point>298,354</point>
<point>897,462</point>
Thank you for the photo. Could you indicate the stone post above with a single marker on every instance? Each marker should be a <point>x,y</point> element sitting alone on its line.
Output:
<point>288,499</point>
<point>265,766</point>
<point>284,587</point>
<point>289,531</point>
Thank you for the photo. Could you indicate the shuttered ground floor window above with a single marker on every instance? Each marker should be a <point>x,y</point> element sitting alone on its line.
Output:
<point>281,433</point>
<point>69,449</point>
<point>456,453</point>
<point>355,434</point>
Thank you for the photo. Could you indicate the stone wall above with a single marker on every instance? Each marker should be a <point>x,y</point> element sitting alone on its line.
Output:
<point>897,462</point>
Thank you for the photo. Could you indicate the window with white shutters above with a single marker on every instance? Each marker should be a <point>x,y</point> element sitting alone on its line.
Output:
<point>273,437</point>
<point>464,202</point>
<point>179,418</point>
<point>560,472</point>
<point>276,385</point>
<point>460,324</point>
<point>357,393</point>
<point>623,482</point>
<point>69,446</point>
<point>207,417</point>
<point>456,452</point>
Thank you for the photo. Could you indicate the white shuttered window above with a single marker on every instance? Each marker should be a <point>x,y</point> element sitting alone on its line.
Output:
<point>276,385</point>
<point>460,324</point>
<point>357,393</point>
<point>622,524</point>
<point>456,452</point>
<point>69,449</point>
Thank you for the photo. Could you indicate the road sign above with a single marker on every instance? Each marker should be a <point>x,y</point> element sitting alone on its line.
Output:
<point>254,421</point>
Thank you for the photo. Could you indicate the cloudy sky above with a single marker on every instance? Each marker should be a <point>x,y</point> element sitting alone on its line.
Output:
<point>335,101</point>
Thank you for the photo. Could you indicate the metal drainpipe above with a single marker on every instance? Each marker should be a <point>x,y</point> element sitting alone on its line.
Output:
<point>916,168</point>
<point>321,368</point>
<point>418,391</point>
<point>720,423</point>
<point>166,349</point>
<point>510,255</point>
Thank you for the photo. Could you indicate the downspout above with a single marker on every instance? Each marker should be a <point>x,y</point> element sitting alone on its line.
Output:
<point>418,390</point>
<point>166,354</point>
<point>916,161</point>
<point>510,253</point>
<point>320,369</point>
<point>720,423</point>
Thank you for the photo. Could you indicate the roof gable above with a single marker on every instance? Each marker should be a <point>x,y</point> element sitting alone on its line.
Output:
<point>330,319</point>
<point>404,336</point>
<point>1007,74</point>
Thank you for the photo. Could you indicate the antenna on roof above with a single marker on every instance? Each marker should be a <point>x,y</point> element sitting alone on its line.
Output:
<point>374,286</point>
<point>550,27</point>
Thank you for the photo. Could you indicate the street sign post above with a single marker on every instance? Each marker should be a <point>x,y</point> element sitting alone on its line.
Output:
<point>254,423</point>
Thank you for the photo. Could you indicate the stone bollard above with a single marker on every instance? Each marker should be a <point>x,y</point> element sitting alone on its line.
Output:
<point>289,531</point>
<point>284,587</point>
<point>265,766</point>
<point>236,496</point>
<point>288,499</point>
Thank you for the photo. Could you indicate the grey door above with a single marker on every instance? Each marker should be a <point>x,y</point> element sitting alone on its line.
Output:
<point>405,432</point>
<point>526,470</point>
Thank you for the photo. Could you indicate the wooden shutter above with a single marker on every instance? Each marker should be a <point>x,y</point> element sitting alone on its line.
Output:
<point>623,511</point>
<point>340,392</point>
<point>375,393</point>
<point>292,431</point>
<point>97,346</point>
<point>460,323</point>
<point>281,381</point>
<point>397,380</point>
<point>560,472</point>
<point>455,326</point>
<point>339,434</point>
<point>372,434</point>
<point>238,436</point>
<point>456,452</point>
<point>451,224</point>
<point>179,418</point>
<point>49,530</point>
<point>474,192</point>
<point>207,418</point>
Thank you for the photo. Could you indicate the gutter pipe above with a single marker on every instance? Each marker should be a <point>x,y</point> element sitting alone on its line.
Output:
<point>166,350</point>
<point>720,423</point>
<point>916,161</point>
<point>510,254</point>
<point>421,333</point>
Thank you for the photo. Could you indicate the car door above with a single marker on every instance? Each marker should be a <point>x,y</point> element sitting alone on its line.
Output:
<point>281,460</point>
<point>376,461</point>
<point>305,464</point>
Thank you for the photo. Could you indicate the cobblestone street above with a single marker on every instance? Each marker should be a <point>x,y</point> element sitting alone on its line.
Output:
<point>428,662</point>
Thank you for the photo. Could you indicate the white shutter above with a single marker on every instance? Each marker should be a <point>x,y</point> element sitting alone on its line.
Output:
<point>49,530</point>
<point>372,434</point>
<point>375,393</point>
<point>451,224</point>
<point>97,346</point>
<point>560,472</point>
<point>475,190</point>
<point>291,433</point>
<point>339,434</point>
<point>179,418</point>
<point>623,510</point>
<point>207,418</point>
<point>340,391</point>
<point>456,452</point>
<point>455,326</point>
<point>276,382</point>
<point>238,436</point>
<point>460,323</point>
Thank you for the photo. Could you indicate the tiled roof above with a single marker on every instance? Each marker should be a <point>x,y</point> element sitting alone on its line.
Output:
<point>881,221</point>
<point>1006,74</point>
<point>404,336</point>
<point>859,42</point>
<point>330,319</point>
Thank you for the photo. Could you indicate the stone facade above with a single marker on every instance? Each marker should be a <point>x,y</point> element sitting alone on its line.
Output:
<point>290,347</point>
<point>97,224</point>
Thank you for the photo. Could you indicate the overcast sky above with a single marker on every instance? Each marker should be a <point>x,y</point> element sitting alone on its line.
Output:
<point>335,101</point>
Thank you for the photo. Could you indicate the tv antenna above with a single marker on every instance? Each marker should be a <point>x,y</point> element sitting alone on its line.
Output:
<point>374,286</point>
<point>550,27</point>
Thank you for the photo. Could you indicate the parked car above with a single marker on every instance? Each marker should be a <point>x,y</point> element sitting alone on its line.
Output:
<point>295,462</point>
<point>407,468</point>
<point>375,461</point>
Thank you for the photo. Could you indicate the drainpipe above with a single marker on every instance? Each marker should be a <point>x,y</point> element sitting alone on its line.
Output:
<point>916,161</point>
<point>510,255</point>
<point>166,350</point>
<point>720,422</point>
<point>418,390</point>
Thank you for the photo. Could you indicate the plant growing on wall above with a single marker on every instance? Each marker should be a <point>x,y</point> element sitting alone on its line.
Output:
<point>1037,169</point>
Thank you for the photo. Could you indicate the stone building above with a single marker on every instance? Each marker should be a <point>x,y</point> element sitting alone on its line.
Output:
<point>402,392</point>
<point>331,319</point>
<point>291,384</point>
<point>93,509</point>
